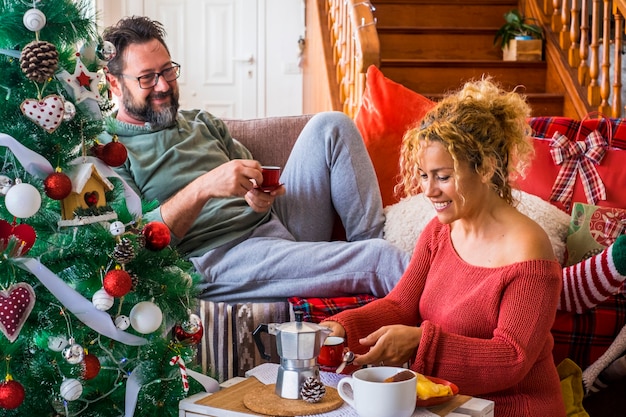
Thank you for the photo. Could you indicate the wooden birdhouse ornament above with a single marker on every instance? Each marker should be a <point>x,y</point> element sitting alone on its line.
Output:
<point>86,202</point>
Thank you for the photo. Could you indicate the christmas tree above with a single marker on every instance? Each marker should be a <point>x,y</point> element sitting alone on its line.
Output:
<point>96,308</point>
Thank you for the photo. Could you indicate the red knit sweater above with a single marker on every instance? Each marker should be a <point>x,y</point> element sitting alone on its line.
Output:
<point>485,329</point>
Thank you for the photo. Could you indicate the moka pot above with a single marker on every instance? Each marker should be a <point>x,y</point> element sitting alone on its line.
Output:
<point>298,344</point>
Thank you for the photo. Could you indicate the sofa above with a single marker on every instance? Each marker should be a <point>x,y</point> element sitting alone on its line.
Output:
<point>228,349</point>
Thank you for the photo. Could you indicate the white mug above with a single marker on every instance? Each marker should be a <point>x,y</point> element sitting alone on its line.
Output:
<point>371,396</point>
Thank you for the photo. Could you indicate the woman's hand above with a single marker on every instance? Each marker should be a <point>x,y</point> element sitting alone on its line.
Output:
<point>337,329</point>
<point>390,345</point>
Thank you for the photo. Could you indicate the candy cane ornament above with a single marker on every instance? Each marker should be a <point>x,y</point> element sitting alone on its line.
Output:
<point>183,371</point>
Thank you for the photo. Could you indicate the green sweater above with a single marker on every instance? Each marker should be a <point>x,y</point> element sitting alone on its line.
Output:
<point>161,162</point>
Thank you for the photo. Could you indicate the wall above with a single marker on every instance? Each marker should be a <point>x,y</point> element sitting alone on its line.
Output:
<point>281,23</point>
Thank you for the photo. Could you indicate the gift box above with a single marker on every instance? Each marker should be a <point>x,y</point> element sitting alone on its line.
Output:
<point>592,229</point>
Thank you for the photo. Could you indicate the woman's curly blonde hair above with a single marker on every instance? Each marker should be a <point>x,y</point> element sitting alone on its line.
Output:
<point>482,125</point>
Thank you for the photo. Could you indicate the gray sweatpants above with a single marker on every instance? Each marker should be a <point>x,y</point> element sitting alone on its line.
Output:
<point>328,171</point>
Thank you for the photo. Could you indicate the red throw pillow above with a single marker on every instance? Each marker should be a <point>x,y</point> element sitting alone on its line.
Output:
<point>387,110</point>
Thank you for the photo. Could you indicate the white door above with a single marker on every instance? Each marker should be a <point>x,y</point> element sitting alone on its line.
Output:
<point>239,58</point>
<point>215,43</point>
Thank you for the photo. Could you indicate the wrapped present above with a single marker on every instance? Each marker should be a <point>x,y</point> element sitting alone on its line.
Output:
<point>592,229</point>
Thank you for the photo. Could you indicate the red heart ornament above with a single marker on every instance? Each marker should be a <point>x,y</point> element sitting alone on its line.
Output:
<point>23,233</point>
<point>47,112</point>
<point>15,306</point>
<point>91,198</point>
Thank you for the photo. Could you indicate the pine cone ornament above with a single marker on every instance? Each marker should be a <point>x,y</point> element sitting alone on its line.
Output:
<point>124,252</point>
<point>312,390</point>
<point>39,61</point>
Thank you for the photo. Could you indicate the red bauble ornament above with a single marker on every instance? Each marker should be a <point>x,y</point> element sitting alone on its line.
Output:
<point>117,282</point>
<point>114,154</point>
<point>157,235</point>
<point>91,366</point>
<point>190,332</point>
<point>57,186</point>
<point>11,394</point>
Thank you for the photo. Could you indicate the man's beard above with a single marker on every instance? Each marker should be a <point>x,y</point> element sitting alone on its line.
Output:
<point>158,119</point>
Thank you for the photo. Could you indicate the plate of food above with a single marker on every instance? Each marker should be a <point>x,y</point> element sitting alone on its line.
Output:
<point>433,391</point>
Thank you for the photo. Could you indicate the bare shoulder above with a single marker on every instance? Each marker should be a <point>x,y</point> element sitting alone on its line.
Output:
<point>527,240</point>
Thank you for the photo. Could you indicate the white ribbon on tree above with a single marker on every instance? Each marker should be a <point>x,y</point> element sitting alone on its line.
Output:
<point>82,308</point>
<point>39,166</point>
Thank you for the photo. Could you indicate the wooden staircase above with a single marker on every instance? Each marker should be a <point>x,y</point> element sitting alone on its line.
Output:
<point>433,46</point>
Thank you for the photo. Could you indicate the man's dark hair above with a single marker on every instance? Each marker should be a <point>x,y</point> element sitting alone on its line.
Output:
<point>128,31</point>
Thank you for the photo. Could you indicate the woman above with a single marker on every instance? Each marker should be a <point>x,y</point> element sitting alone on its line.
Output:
<point>479,296</point>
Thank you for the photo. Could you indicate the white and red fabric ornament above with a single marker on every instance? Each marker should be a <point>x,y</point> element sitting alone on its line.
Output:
<point>11,394</point>
<point>23,234</point>
<point>146,317</point>
<point>47,112</point>
<point>16,304</point>
<point>117,282</point>
<point>157,235</point>
<point>177,360</point>
<point>83,83</point>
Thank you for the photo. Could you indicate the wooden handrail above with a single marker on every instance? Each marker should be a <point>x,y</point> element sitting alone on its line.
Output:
<point>355,47</point>
<point>591,40</point>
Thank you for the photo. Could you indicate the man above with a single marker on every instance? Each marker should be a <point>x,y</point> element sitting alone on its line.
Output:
<point>248,244</point>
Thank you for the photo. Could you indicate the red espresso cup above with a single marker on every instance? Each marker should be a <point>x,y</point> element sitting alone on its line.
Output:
<point>331,353</point>
<point>271,177</point>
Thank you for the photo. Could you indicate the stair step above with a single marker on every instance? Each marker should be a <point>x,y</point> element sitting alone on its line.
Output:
<point>542,104</point>
<point>439,76</point>
<point>452,13</point>
<point>438,43</point>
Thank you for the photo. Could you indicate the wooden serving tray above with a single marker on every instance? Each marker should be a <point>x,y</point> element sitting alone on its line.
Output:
<point>232,399</point>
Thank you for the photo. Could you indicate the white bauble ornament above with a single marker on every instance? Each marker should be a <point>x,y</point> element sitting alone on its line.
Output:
<point>74,353</point>
<point>5,184</point>
<point>71,389</point>
<point>117,228</point>
<point>146,317</point>
<point>34,20</point>
<point>122,322</point>
<point>102,300</point>
<point>22,200</point>
<point>69,111</point>
<point>57,343</point>
<point>106,51</point>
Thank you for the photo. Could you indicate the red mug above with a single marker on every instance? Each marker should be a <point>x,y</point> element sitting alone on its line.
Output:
<point>331,353</point>
<point>271,176</point>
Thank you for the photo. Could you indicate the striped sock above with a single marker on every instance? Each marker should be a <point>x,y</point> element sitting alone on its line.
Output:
<point>593,280</point>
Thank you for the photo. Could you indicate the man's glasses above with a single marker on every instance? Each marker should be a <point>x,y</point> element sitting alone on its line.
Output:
<point>150,80</point>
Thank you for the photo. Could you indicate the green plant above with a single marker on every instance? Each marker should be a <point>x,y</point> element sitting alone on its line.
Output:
<point>516,25</point>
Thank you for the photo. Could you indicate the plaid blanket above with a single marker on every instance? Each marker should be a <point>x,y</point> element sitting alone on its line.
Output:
<point>585,337</point>
<point>317,309</point>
